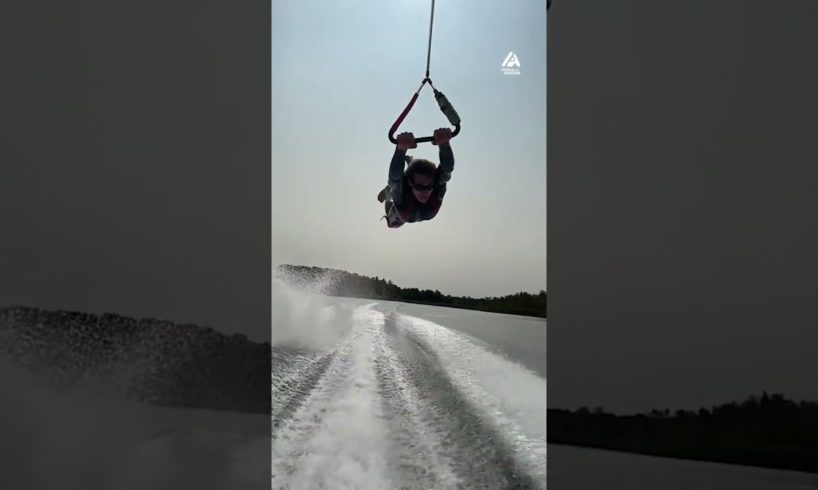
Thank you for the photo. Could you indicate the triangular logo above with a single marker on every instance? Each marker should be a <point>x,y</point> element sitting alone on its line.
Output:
<point>511,61</point>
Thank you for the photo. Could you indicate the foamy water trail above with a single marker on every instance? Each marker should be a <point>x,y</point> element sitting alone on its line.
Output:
<point>305,319</point>
<point>402,403</point>
<point>336,439</point>
<point>510,396</point>
<point>425,460</point>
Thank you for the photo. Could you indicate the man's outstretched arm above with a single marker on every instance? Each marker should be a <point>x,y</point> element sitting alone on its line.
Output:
<point>446,167</point>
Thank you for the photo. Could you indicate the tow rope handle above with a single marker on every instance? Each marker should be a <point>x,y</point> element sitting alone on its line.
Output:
<point>445,107</point>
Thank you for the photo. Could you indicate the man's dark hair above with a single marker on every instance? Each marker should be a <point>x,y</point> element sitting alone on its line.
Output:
<point>421,167</point>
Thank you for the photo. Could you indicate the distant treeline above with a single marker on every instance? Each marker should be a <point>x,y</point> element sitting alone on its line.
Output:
<point>767,431</point>
<point>341,283</point>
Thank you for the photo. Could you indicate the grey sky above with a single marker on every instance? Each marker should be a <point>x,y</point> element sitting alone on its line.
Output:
<point>682,260</point>
<point>342,72</point>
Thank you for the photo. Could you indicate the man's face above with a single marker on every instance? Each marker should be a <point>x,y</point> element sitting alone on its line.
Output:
<point>422,187</point>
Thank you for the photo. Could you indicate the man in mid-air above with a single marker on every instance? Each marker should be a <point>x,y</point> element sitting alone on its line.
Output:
<point>416,193</point>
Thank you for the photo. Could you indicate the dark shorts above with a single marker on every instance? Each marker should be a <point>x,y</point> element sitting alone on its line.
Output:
<point>393,219</point>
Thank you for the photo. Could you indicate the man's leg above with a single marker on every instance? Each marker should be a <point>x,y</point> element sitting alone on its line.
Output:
<point>385,195</point>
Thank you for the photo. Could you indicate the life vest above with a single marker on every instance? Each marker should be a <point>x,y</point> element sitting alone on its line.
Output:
<point>414,210</point>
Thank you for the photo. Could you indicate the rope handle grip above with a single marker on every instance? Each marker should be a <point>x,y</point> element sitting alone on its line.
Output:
<point>445,107</point>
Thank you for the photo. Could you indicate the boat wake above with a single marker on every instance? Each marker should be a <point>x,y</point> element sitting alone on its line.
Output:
<point>399,402</point>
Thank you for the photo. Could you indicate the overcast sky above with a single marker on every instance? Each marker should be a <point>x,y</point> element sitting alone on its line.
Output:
<point>342,72</point>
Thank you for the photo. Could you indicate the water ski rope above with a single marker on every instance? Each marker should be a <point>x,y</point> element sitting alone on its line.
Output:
<point>442,101</point>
